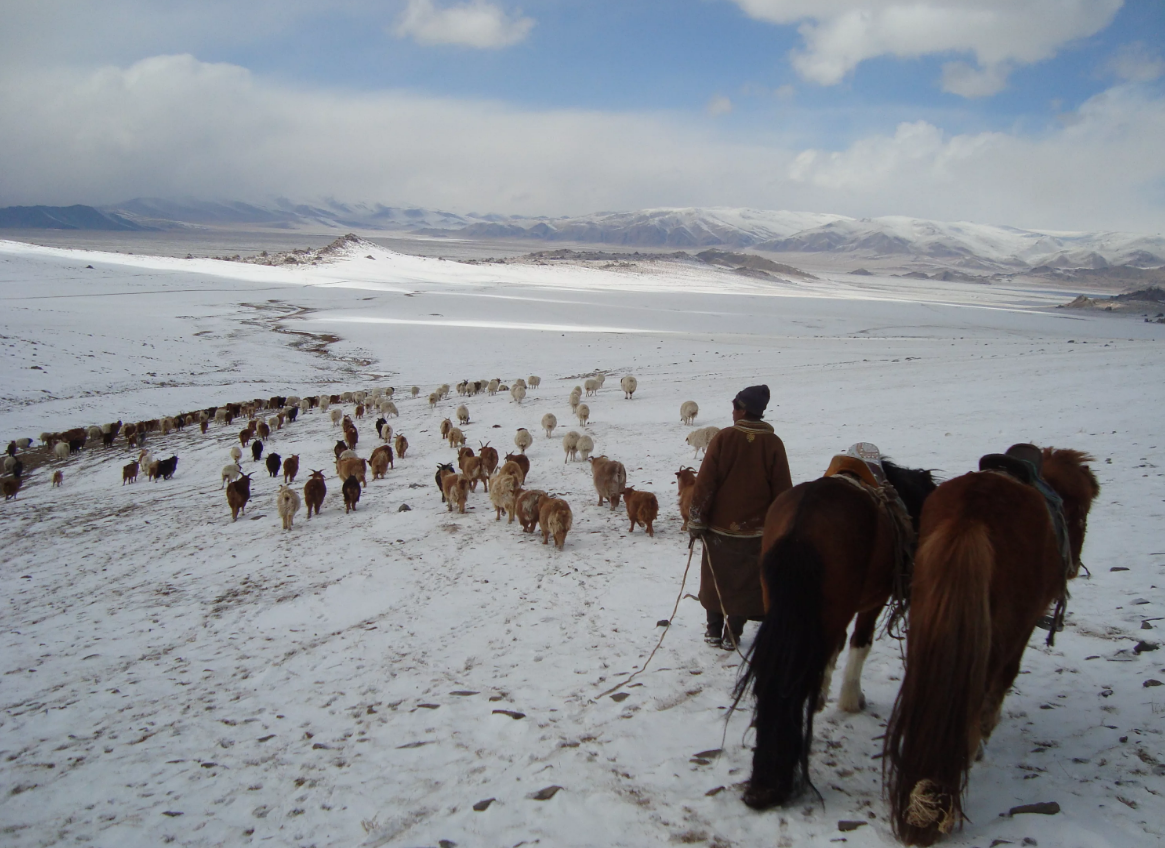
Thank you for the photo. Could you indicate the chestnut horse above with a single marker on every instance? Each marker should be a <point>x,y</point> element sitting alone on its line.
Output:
<point>830,551</point>
<point>989,564</point>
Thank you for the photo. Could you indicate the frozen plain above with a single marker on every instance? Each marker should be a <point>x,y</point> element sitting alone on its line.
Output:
<point>171,677</point>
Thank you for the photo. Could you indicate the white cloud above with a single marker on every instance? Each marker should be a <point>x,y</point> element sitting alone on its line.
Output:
<point>476,23</point>
<point>174,126</point>
<point>1136,63</point>
<point>839,35</point>
<point>719,105</point>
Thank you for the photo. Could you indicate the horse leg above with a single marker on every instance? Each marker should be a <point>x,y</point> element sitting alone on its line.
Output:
<point>851,699</point>
<point>997,686</point>
<point>827,676</point>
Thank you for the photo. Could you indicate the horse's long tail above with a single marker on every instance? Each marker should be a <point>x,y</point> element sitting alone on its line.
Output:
<point>933,732</point>
<point>784,671</point>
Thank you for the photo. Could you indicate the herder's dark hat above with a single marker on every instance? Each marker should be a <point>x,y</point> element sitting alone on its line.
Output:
<point>753,400</point>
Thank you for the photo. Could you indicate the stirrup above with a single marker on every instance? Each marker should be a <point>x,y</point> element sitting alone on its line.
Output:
<point>1046,622</point>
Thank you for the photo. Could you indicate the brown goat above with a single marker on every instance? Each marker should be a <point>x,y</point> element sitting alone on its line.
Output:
<point>10,486</point>
<point>401,444</point>
<point>351,491</point>
<point>238,493</point>
<point>290,468</point>
<point>357,467</point>
<point>314,491</point>
<point>129,473</point>
<point>58,477</point>
<point>528,506</point>
<point>381,461</point>
<point>489,458</point>
<point>446,426</point>
<point>456,490</point>
<point>263,429</point>
<point>686,481</point>
<point>554,518</point>
<point>245,436</point>
<point>610,478</point>
<point>642,508</point>
<point>522,461</point>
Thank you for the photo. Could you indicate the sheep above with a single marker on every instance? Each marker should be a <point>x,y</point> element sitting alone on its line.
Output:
<point>462,388</point>
<point>360,396</point>
<point>601,377</point>
<point>324,402</point>
<point>575,398</point>
<point>346,397</point>
<point>352,467</point>
<point>629,384</point>
<point>25,444</point>
<point>238,493</point>
<point>610,478</point>
<point>415,390</point>
<point>304,406</point>
<point>518,393</point>
<point>380,461</point>
<point>489,458</point>
<point>446,426</point>
<point>129,473</point>
<point>520,460</point>
<point>256,450</point>
<point>443,390</point>
<point>9,463</point>
<point>688,412</point>
<point>456,437</point>
<point>336,415</point>
<point>492,387</point>
<point>523,439</point>
<point>314,491</point>
<point>554,517</point>
<point>290,468</point>
<point>58,478</point>
<point>10,486</point>
<point>61,450</point>
<point>462,414</point>
<point>701,438</point>
<point>230,473</point>
<point>533,381</point>
<point>520,382</point>
<point>527,506</point>
<point>570,446</point>
<point>287,503</point>
<point>292,400</point>
<point>274,463</point>
<point>401,444</point>
<point>167,426</point>
<point>275,422</point>
<point>94,433</point>
<point>686,482</point>
<point>592,386</point>
<point>351,492</point>
<point>220,416</point>
<point>642,508</point>
<point>549,422</point>
<point>389,408</point>
<point>585,445</point>
<point>380,423</point>
<point>584,413</point>
<point>504,488</point>
<point>455,488</point>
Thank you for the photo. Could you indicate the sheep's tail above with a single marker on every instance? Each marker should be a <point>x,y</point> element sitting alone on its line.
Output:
<point>933,731</point>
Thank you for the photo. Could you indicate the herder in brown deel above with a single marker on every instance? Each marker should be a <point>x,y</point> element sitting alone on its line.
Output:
<point>744,470</point>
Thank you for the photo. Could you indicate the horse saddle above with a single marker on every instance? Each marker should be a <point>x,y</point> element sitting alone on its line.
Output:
<point>863,461</point>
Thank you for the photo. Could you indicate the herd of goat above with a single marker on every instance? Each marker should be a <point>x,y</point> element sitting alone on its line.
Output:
<point>502,480</point>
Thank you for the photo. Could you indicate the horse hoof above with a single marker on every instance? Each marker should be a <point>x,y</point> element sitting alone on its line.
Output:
<point>762,797</point>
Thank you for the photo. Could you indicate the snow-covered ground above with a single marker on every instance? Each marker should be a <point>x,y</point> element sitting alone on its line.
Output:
<point>171,676</point>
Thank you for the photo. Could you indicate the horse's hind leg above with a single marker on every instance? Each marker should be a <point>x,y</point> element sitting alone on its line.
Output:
<point>827,677</point>
<point>851,699</point>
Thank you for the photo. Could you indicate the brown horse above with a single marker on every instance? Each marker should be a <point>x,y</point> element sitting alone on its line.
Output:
<point>989,564</point>
<point>830,552</point>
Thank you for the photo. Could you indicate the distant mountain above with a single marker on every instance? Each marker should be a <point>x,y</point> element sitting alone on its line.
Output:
<point>63,218</point>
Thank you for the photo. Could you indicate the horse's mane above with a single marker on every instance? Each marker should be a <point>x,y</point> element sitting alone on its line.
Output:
<point>1067,470</point>
<point>913,485</point>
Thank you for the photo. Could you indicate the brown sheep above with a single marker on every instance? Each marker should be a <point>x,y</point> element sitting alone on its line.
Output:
<point>642,508</point>
<point>522,462</point>
<point>554,518</point>
<point>351,491</point>
<point>401,444</point>
<point>527,507</point>
<point>290,468</point>
<point>238,493</point>
<point>686,480</point>
<point>610,477</point>
<point>129,473</point>
<point>314,491</point>
<point>10,486</point>
<point>357,468</point>
<point>456,490</point>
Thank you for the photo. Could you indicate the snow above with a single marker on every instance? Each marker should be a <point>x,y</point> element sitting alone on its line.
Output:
<point>171,676</point>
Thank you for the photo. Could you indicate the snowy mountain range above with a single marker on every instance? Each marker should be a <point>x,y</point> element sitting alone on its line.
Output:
<point>954,244</point>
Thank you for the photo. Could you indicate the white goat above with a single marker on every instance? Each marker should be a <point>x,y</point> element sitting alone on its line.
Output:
<point>287,502</point>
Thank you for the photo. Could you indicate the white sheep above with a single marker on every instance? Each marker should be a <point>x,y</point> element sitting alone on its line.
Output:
<point>533,381</point>
<point>592,386</point>
<point>443,390</point>
<point>492,387</point>
<point>629,384</point>
<point>220,416</point>
<point>570,446</point>
<point>415,390</point>
<point>549,422</point>
<point>602,378</point>
<point>433,398</point>
<point>688,412</point>
<point>575,397</point>
<point>287,502</point>
<point>346,397</point>
<point>325,401</point>
<point>389,391</point>
<point>518,392</point>
<point>305,405</point>
<point>386,432</point>
<point>292,400</point>
<point>520,382</point>
<point>583,412</point>
<point>701,438</point>
<point>25,443</point>
<point>462,414</point>
<point>230,473</point>
<point>236,453</point>
<point>585,445</point>
<point>523,439</point>
<point>61,450</point>
<point>388,409</point>
<point>337,415</point>
<point>347,454</point>
<point>93,434</point>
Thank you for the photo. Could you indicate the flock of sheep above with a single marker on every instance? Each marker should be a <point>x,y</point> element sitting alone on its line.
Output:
<point>504,484</point>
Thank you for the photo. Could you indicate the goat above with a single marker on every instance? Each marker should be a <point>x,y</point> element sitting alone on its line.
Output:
<point>473,470</point>
<point>455,488</point>
<point>353,467</point>
<point>245,436</point>
<point>352,437</point>
<point>314,491</point>
<point>256,450</point>
<point>230,473</point>
<point>339,448</point>
<point>389,408</point>
<point>380,422</point>
<point>610,478</point>
<point>446,426</point>
<point>554,517</point>
<point>489,458</point>
<point>527,507</point>
<point>523,439</point>
<point>642,508</point>
<point>236,453</point>
<point>401,444</point>
<point>433,400</point>
<point>456,437</point>
<point>263,430</point>
<point>549,422</point>
<point>570,446</point>
<point>359,411</point>
<point>701,438</point>
<point>274,463</point>
<point>439,478</point>
<point>287,504</point>
<point>58,478</point>
<point>129,473</point>
<point>290,468</point>
<point>688,412</point>
<point>585,445</point>
<point>629,384</point>
<point>381,461</point>
<point>415,390</point>
<point>351,492</point>
<point>238,493</point>
<point>584,413</point>
<point>504,488</point>
<point>686,482</point>
<point>10,486</point>
<point>522,461</point>
<point>166,468</point>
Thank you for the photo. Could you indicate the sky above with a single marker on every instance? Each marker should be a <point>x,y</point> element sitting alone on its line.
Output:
<point>1042,114</point>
